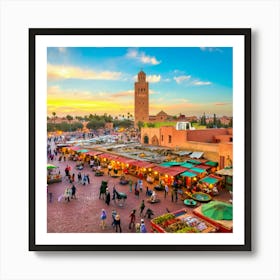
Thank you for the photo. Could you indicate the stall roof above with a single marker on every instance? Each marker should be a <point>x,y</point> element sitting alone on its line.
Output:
<point>182,153</point>
<point>209,180</point>
<point>173,172</point>
<point>193,161</point>
<point>196,154</point>
<point>143,164</point>
<point>187,165</point>
<point>160,169</point>
<point>198,170</point>
<point>126,160</point>
<point>170,163</point>
<point>225,172</point>
<point>188,174</point>
<point>94,153</point>
<point>211,163</point>
<point>109,156</point>
<point>201,166</point>
<point>75,148</point>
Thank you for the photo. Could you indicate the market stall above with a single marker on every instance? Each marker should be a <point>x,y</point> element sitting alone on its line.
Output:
<point>227,174</point>
<point>210,184</point>
<point>53,174</point>
<point>181,222</point>
<point>217,213</point>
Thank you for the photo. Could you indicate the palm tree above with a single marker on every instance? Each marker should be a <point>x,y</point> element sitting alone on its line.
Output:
<point>54,116</point>
<point>69,118</point>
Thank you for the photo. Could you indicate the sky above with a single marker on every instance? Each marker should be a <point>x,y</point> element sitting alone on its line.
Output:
<point>96,80</point>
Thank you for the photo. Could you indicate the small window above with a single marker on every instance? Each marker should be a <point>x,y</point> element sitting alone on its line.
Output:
<point>169,138</point>
<point>161,137</point>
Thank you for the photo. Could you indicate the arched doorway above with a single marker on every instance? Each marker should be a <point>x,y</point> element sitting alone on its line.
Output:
<point>155,141</point>
<point>146,139</point>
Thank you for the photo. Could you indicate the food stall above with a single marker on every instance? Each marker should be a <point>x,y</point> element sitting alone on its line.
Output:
<point>181,222</point>
<point>210,184</point>
<point>53,174</point>
<point>218,214</point>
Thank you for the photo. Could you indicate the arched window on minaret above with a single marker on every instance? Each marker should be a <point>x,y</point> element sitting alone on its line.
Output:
<point>141,76</point>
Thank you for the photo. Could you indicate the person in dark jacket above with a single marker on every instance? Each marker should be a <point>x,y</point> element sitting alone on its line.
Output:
<point>108,197</point>
<point>118,223</point>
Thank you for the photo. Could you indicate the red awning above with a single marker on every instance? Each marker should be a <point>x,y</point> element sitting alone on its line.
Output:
<point>143,164</point>
<point>126,160</point>
<point>174,172</point>
<point>75,148</point>
<point>160,169</point>
<point>171,171</point>
<point>93,153</point>
<point>180,169</point>
<point>109,156</point>
<point>201,166</point>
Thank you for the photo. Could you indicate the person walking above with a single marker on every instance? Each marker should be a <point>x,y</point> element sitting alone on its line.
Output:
<point>73,192</point>
<point>103,218</point>
<point>130,185</point>
<point>84,179</point>
<point>88,179</point>
<point>79,177</point>
<point>67,193</point>
<point>149,213</point>
<point>114,214</point>
<point>114,193</point>
<point>108,197</point>
<point>132,218</point>
<point>142,207</point>
<point>118,223</point>
<point>165,190</point>
<point>176,195</point>
<point>143,228</point>
<point>172,195</point>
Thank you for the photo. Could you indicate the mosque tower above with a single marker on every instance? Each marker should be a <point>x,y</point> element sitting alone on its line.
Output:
<point>141,99</point>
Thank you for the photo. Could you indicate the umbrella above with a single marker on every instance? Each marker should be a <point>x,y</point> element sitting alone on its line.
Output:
<point>217,210</point>
<point>82,151</point>
<point>50,166</point>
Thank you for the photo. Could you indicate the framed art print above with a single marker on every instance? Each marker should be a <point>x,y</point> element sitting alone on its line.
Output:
<point>137,131</point>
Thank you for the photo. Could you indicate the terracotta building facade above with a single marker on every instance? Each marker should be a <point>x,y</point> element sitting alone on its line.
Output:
<point>141,99</point>
<point>215,143</point>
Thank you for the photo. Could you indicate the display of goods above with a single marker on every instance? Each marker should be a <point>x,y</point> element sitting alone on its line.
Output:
<point>175,227</point>
<point>161,219</point>
<point>188,230</point>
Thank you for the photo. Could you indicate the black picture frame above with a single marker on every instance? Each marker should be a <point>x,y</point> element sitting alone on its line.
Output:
<point>244,33</point>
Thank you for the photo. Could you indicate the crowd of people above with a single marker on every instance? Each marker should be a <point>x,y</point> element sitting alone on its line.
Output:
<point>83,178</point>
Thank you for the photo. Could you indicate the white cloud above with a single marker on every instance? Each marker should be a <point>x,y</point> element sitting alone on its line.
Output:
<point>154,78</point>
<point>181,79</point>
<point>61,72</point>
<point>62,50</point>
<point>201,83</point>
<point>142,57</point>
<point>150,78</point>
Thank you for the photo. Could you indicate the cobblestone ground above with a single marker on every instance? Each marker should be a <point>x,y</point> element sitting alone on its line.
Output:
<point>82,214</point>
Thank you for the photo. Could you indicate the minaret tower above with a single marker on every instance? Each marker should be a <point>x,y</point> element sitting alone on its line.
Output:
<point>141,99</point>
